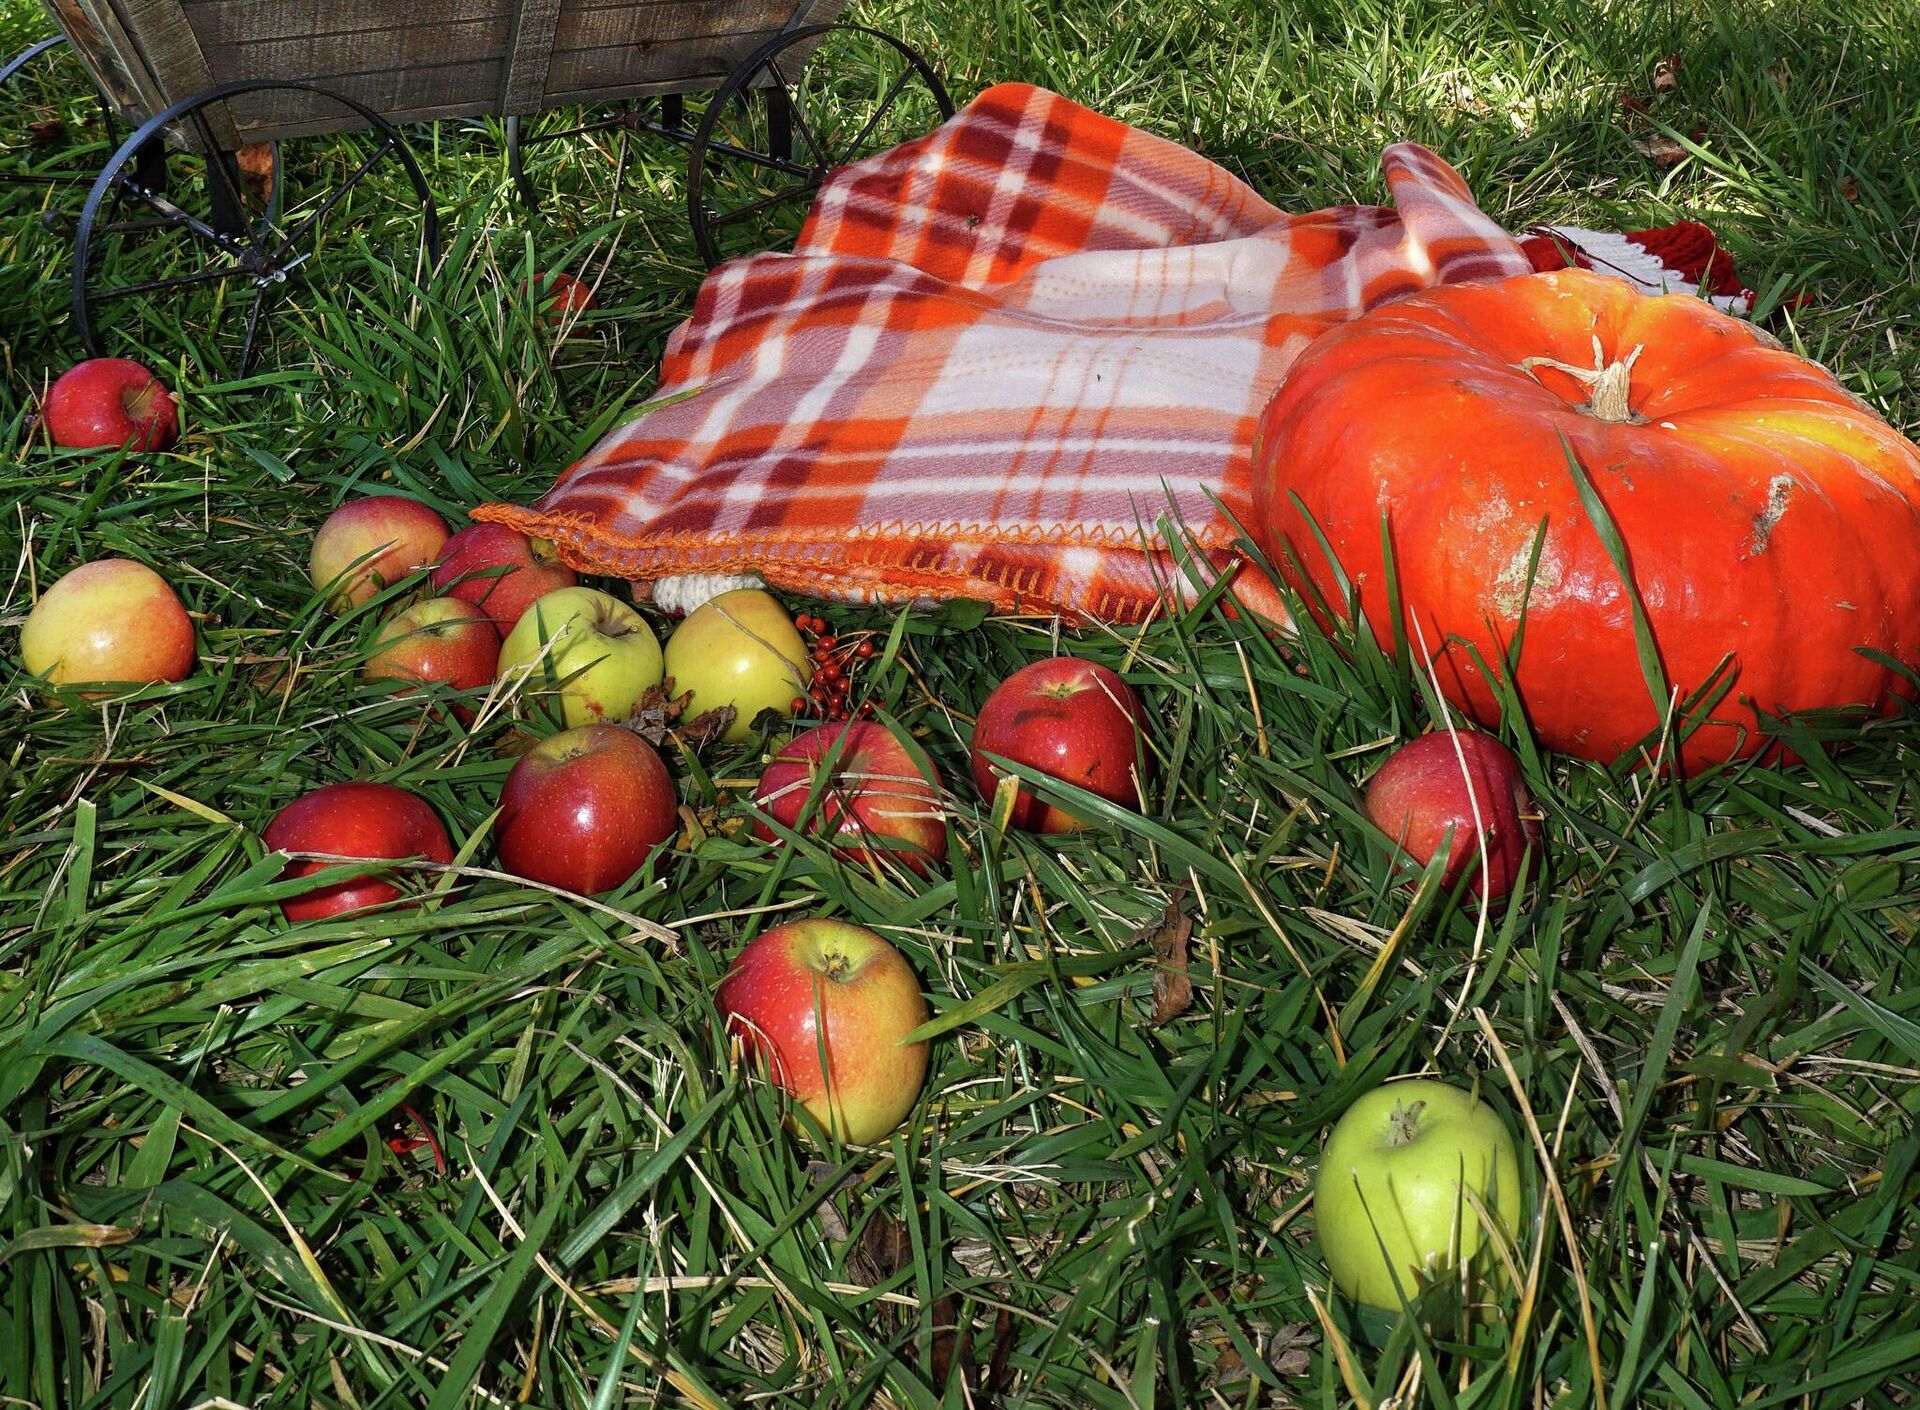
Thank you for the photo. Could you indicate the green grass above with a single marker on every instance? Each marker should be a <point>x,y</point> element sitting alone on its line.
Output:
<point>1707,1006</point>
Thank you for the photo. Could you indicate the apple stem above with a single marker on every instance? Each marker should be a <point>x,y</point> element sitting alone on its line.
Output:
<point>1404,1125</point>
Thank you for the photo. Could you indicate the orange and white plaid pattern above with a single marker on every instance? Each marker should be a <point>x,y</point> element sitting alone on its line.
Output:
<point>1003,361</point>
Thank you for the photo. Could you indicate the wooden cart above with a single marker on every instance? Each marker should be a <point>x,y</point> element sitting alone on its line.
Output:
<point>208,86</point>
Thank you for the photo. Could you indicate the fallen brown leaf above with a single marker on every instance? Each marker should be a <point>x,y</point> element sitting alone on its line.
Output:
<point>255,161</point>
<point>46,132</point>
<point>1666,74</point>
<point>654,716</point>
<point>705,729</point>
<point>1168,935</point>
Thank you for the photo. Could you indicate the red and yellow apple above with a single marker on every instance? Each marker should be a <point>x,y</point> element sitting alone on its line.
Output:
<point>869,799</point>
<point>1391,1199</point>
<point>374,821</point>
<point>111,620</point>
<point>826,1006</point>
<point>440,639</point>
<point>368,545</point>
<point>739,649</point>
<point>597,651</point>
<point>1466,783</point>
<point>585,808</point>
<point>1072,720</point>
<point>501,570</point>
<point>109,402</point>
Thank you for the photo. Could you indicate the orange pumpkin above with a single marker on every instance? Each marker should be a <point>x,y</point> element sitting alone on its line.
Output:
<point>1767,514</point>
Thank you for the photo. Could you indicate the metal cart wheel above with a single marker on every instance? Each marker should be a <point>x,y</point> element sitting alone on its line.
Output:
<point>834,93</point>
<point>607,135</point>
<point>160,220</point>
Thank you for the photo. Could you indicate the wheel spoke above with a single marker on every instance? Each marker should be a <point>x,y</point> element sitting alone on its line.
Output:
<point>178,281</point>
<point>253,329</point>
<point>885,105</point>
<point>171,215</point>
<point>319,213</point>
<point>799,118</point>
<point>776,199</point>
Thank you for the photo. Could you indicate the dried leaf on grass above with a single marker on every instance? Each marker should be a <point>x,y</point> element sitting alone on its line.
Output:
<point>654,717</point>
<point>1168,935</point>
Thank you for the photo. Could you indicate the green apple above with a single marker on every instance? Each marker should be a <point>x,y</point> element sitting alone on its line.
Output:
<point>1389,1201</point>
<point>739,649</point>
<point>597,649</point>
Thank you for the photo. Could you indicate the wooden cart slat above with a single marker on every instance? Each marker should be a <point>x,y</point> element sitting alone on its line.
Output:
<point>412,60</point>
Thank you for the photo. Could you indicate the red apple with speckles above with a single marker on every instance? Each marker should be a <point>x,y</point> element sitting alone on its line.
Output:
<point>109,620</point>
<point>815,989</point>
<point>1070,719</point>
<point>372,820</point>
<point>870,799</point>
<point>109,402</point>
<point>1431,785</point>
<point>499,570</point>
<point>583,809</point>
<point>368,545</point>
<point>441,639</point>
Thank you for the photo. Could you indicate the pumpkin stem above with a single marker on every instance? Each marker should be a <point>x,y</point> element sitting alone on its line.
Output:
<point>1606,382</point>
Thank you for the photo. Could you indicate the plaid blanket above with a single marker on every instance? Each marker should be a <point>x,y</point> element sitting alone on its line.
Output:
<point>1019,359</point>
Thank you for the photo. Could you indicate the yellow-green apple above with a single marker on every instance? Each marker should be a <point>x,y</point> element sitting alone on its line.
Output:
<point>1391,1199</point>
<point>826,1006</point>
<point>368,545</point>
<point>500,570</point>
<point>584,808</point>
<point>1467,783</point>
<point>739,649</point>
<point>110,402</point>
<point>1072,720</point>
<point>594,647</point>
<point>440,639</point>
<point>375,821</point>
<point>868,798</point>
<point>109,620</point>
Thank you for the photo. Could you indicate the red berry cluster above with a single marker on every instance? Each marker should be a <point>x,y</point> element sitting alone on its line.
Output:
<point>834,664</point>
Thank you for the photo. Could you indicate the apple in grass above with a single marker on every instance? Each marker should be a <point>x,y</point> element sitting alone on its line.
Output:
<point>375,821</point>
<point>500,570</point>
<point>1073,720</point>
<point>1467,783</point>
<point>585,808</point>
<point>597,650</point>
<point>367,545</point>
<point>739,649</point>
<point>1391,1198</point>
<point>111,620</point>
<point>826,1006</point>
<point>110,402</point>
<point>441,639</point>
<point>869,798</point>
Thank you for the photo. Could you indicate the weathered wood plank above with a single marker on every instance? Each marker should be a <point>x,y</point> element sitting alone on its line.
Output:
<point>413,95</point>
<point>299,59</point>
<point>237,21</point>
<point>529,53</point>
<point>585,74</point>
<point>658,24</point>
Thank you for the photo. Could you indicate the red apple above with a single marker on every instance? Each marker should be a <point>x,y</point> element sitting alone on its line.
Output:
<point>470,569</point>
<point>584,809</point>
<point>440,639</point>
<point>870,792</point>
<point>371,820</point>
<point>815,989</point>
<point>110,402</point>
<point>368,545</point>
<point>559,296</point>
<point>109,620</point>
<point>1070,719</point>
<point>1424,790</point>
